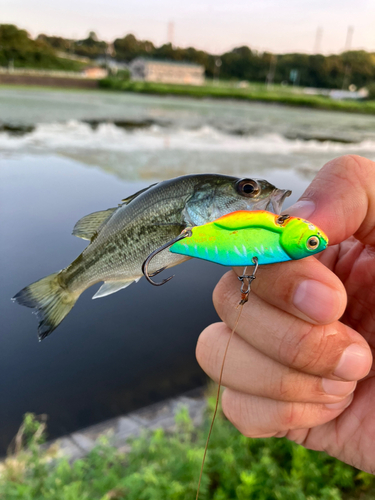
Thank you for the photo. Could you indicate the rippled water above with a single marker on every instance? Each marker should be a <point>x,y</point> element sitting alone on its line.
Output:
<point>141,137</point>
<point>66,154</point>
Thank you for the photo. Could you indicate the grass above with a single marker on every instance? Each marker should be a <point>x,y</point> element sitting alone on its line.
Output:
<point>163,466</point>
<point>254,92</point>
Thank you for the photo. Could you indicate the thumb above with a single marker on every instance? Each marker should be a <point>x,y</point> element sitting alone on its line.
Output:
<point>341,200</point>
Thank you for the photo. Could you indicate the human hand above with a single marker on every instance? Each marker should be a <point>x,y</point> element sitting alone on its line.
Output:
<point>300,364</point>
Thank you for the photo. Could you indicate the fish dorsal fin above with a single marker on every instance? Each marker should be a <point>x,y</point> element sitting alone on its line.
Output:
<point>87,227</point>
<point>109,287</point>
<point>130,198</point>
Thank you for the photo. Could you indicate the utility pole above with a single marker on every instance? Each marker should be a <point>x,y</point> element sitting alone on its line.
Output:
<point>349,38</point>
<point>170,34</point>
<point>318,40</point>
<point>218,63</point>
<point>348,45</point>
<point>271,72</point>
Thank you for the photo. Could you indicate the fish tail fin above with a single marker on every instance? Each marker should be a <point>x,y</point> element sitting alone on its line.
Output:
<point>51,299</point>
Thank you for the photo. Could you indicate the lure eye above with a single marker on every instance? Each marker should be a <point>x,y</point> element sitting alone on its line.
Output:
<point>313,243</point>
<point>247,187</point>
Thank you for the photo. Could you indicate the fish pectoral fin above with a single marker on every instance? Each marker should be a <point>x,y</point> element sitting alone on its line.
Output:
<point>88,226</point>
<point>109,287</point>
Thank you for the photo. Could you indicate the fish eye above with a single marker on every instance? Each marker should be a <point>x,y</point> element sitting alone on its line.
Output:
<point>313,242</point>
<point>247,187</point>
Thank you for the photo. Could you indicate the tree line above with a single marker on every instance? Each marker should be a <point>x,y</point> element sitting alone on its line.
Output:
<point>242,63</point>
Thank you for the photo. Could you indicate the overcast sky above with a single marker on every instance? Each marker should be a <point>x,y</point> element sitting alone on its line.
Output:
<point>213,25</point>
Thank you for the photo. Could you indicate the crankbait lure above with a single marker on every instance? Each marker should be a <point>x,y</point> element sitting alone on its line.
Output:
<point>243,238</point>
<point>235,239</point>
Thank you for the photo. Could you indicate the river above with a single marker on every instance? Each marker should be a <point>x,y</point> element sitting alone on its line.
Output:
<point>64,154</point>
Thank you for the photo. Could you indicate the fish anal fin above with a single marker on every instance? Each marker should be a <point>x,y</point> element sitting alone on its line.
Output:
<point>88,226</point>
<point>109,287</point>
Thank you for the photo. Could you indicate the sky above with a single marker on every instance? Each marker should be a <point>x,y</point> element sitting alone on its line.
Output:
<point>214,25</point>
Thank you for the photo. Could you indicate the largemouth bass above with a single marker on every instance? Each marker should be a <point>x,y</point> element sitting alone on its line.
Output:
<point>121,238</point>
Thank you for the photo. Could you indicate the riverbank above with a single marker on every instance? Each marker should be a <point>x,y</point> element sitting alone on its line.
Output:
<point>120,429</point>
<point>58,82</point>
<point>160,454</point>
<point>254,92</point>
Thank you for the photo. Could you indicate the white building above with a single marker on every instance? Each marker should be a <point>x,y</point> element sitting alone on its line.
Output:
<point>151,70</point>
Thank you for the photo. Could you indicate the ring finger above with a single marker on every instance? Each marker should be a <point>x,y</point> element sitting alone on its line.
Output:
<point>255,416</point>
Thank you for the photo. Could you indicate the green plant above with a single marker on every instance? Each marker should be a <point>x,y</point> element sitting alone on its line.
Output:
<point>164,465</point>
<point>371,90</point>
<point>255,92</point>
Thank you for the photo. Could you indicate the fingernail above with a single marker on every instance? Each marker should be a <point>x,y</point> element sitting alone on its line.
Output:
<point>342,404</point>
<point>319,302</point>
<point>354,363</point>
<point>301,209</point>
<point>337,388</point>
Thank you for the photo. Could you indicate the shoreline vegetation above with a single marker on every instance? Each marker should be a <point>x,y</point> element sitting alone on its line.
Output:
<point>160,464</point>
<point>240,73</point>
<point>276,94</point>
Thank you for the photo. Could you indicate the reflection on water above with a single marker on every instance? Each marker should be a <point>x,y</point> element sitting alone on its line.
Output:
<point>136,346</point>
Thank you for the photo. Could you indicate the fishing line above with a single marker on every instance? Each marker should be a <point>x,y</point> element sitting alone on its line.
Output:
<point>246,282</point>
<point>280,238</point>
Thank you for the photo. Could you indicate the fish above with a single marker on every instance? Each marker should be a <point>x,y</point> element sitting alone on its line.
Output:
<point>237,238</point>
<point>121,238</point>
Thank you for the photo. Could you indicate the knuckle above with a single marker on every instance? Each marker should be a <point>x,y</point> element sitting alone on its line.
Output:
<point>208,349</point>
<point>284,284</point>
<point>235,411</point>
<point>290,415</point>
<point>242,415</point>
<point>310,350</point>
<point>223,294</point>
<point>288,389</point>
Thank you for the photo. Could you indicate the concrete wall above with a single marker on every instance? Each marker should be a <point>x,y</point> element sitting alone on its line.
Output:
<point>47,81</point>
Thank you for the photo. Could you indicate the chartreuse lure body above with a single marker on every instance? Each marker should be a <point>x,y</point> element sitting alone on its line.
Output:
<point>236,238</point>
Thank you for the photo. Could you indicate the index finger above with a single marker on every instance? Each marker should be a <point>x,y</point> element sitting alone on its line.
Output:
<point>315,349</point>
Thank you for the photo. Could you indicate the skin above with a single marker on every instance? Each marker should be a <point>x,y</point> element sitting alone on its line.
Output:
<point>300,364</point>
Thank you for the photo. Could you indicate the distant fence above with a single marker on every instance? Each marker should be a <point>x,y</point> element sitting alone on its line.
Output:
<point>68,79</point>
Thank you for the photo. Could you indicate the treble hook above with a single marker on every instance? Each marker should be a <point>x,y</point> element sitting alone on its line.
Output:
<point>184,234</point>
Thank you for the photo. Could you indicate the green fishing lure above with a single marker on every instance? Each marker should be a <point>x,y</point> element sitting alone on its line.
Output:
<point>236,238</point>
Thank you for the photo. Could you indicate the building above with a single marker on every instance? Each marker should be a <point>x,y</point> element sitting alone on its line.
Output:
<point>95,72</point>
<point>150,70</point>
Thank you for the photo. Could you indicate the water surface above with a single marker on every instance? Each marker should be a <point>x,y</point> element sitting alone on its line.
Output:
<point>66,154</point>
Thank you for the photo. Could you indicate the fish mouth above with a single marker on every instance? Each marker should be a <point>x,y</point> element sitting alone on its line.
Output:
<point>277,199</point>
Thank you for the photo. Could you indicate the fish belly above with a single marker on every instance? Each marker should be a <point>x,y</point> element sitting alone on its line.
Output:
<point>119,257</point>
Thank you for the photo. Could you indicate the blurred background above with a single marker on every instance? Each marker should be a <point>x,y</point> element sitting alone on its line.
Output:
<point>100,99</point>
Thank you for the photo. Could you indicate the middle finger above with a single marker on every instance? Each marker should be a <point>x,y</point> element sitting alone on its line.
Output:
<point>251,372</point>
